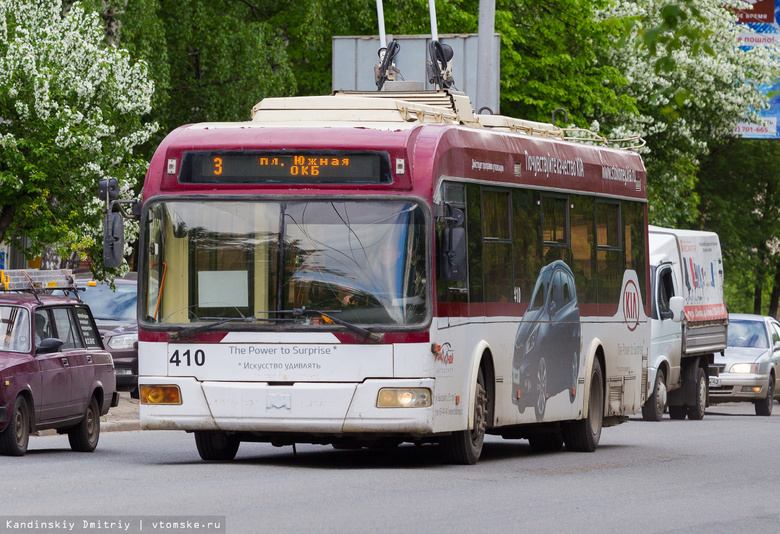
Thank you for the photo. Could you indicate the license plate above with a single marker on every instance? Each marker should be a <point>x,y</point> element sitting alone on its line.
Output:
<point>124,371</point>
<point>714,382</point>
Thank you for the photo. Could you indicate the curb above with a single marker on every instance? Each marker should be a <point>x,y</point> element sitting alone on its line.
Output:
<point>128,425</point>
<point>120,426</point>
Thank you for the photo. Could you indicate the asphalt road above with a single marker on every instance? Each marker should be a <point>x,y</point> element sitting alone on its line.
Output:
<point>720,474</point>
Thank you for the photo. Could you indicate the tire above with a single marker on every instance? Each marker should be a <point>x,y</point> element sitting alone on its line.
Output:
<point>764,406</point>
<point>584,435</point>
<point>465,447</point>
<point>696,412</point>
<point>84,436</point>
<point>653,409</point>
<point>678,412</point>
<point>541,389</point>
<point>16,436</point>
<point>546,442</point>
<point>217,446</point>
<point>135,394</point>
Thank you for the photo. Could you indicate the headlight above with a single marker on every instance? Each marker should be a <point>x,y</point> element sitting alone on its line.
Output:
<point>403,398</point>
<point>122,341</point>
<point>744,368</point>
<point>531,343</point>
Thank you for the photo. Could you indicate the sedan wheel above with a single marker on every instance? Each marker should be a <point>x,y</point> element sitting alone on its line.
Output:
<point>764,406</point>
<point>16,436</point>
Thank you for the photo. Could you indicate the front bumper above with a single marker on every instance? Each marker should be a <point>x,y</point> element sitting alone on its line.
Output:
<point>737,387</point>
<point>303,407</point>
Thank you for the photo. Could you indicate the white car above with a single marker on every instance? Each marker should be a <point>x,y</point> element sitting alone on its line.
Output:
<point>748,369</point>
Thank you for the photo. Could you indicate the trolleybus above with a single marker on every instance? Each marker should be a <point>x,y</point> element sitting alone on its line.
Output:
<point>380,268</point>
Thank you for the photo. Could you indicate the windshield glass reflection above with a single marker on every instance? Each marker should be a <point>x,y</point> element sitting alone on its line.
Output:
<point>364,260</point>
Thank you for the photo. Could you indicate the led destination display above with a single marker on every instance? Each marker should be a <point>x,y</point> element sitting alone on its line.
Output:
<point>258,167</point>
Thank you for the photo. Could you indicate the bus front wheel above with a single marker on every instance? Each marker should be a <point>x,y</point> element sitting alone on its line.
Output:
<point>217,446</point>
<point>465,447</point>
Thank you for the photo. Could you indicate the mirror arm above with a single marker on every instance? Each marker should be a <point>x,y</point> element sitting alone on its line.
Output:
<point>134,212</point>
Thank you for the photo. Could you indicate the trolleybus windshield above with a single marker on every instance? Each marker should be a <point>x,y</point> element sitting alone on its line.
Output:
<point>207,260</point>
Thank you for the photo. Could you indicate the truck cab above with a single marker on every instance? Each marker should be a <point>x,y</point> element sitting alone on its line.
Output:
<point>688,322</point>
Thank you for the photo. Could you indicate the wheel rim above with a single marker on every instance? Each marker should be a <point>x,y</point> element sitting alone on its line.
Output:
<point>541,387</point>
<point>91,422</point>
<point>594,406</point>
<point>480,415</point>
<point>660,398</point>
<point>702,395</point>
<point>20,426</point>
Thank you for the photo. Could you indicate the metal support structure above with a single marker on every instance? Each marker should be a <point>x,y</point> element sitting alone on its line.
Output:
<point>380,13</point>
<point>487,23</point>
<point>434,26</point>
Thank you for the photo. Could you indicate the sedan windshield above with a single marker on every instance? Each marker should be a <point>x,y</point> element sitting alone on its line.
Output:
<point>747,334</point>
<point>361,261</point>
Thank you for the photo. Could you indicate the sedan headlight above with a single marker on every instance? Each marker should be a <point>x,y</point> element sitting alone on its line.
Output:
<point>531,342</point>
<point>122,341</point>
<point>744,368</point>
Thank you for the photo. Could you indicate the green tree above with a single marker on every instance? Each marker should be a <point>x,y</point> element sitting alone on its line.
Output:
<point>71,112</point>
<point>740,192</point>
<point>688,101</point>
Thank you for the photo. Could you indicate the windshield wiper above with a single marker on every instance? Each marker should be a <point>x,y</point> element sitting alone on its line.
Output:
<point>298,312</point>
<point>187,332</point>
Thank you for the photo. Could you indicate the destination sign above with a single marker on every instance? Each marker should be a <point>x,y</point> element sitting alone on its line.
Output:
<point>292,167</point>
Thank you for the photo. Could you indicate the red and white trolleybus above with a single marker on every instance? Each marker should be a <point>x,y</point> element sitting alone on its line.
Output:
<point>383,268</point>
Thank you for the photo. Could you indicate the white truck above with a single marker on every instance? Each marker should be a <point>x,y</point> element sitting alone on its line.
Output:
<point>689,321</point>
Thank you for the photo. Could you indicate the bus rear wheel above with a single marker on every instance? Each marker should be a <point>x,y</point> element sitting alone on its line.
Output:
<point>465,447</point>
<point>217,446</point>
<point>584,435</point>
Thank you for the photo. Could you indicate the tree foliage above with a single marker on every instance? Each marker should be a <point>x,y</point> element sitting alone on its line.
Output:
<point>694,101</point>
<point>740,192</point>
<point>71,112</point>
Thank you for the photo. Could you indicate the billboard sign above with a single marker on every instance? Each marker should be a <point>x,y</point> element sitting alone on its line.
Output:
<point>760,28</point>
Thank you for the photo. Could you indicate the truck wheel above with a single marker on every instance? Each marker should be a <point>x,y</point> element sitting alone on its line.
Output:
<point>465,447</point>
<point>16,436</point>
<point>653,409</point>
<point>84,436</point>
<point>764,406</point>
<point>678,412</point>
<point>584,435</point>
<point>216,446</point>
<point>696,412</point>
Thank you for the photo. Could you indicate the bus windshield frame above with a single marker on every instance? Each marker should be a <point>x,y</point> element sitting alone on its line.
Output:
<point>207,259</point>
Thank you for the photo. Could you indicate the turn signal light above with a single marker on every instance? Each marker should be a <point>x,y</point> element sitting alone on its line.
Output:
<point>160,394</point>
<point>403,398</point>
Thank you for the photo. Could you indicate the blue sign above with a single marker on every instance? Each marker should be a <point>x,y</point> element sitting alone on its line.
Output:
<point>760,28</point>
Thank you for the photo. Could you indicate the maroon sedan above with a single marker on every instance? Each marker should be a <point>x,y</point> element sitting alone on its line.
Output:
<point>54,371</point>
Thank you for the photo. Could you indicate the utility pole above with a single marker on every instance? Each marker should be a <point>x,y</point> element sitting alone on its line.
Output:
<point>487,24</point>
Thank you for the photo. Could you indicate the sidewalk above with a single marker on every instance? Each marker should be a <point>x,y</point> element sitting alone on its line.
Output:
<point>122,418</point>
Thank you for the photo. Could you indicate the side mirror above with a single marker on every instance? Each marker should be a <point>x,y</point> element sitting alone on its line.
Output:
<point>49,345</point>
<point>453,246</point>
<point>677,305</point>
<point>108,189</point>
<point>553,308</point>
<point>113,239</point>
<point>453,254</point>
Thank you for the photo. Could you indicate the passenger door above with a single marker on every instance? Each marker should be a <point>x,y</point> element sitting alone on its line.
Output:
<point>776,353</point>
<point>55,400</point>
<point>666,333</point>
<point>78,358</point>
